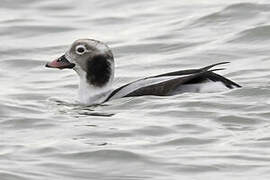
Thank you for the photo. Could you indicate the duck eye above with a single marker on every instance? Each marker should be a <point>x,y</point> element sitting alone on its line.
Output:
<point>80,49</point>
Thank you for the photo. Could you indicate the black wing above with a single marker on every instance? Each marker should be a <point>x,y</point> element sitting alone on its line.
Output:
<point>193,76</point>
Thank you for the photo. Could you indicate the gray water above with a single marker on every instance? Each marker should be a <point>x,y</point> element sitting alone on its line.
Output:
<point>45,134</point>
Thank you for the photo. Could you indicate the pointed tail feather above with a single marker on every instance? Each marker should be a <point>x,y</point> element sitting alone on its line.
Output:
<point>218,69</point>
<point>213,65</point>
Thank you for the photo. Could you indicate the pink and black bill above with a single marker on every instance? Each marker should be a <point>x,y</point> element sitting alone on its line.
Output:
<point>61,63</point>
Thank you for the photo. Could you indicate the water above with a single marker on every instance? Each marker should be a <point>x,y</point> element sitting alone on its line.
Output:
<point>45,134</point>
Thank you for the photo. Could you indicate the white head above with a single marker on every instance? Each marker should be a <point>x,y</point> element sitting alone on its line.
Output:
<point>93,61</point>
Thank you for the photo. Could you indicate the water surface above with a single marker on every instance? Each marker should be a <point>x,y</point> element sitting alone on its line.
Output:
<point>46,134</point>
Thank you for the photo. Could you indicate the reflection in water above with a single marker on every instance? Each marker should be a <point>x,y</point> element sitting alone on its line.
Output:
<point>76,109</point>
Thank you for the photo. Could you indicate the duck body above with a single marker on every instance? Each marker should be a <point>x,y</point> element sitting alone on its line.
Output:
<point>192,80</point>
<point>94,63</point>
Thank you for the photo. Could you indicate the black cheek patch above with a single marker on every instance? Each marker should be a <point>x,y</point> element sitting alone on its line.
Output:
<point>98,70</point>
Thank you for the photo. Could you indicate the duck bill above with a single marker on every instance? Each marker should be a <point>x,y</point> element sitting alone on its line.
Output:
<point>60,63</point>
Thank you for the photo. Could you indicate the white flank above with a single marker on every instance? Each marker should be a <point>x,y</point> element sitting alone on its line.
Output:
<point>211,87</point>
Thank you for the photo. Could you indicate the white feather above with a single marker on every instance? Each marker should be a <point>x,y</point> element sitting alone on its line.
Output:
<point>211,87</point>
<point>89,94</point>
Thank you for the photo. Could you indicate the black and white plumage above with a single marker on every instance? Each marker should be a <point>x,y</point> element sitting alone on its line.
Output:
<point>94,63</point>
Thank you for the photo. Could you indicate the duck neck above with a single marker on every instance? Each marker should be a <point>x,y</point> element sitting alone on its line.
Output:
<point>90,94</point>
<point>95,80</point>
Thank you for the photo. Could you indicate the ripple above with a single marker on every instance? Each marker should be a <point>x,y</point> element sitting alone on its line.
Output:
<point>187,141</point>
<point>12,176</point>
<point>20,4</point>
<point>20,64</point>
<point>11,108</point>
<point>257,34</point>
<point>239,13</point>
<point>109,20</point>
<point>153,131</point>
<point>106,155</point>
<point>237,120</point>
<point>154,47</point>
<point>33,30</point>
<point>192,128</point>
<point>24,123</point>
<point>247,7</point>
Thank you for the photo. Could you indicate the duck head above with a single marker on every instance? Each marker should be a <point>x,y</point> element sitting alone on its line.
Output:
<point>94,63</point>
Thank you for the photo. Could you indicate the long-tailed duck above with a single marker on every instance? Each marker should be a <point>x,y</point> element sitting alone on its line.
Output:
<point>94,63</point>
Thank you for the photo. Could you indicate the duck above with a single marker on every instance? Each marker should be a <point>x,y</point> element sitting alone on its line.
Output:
<point>93,61</point>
